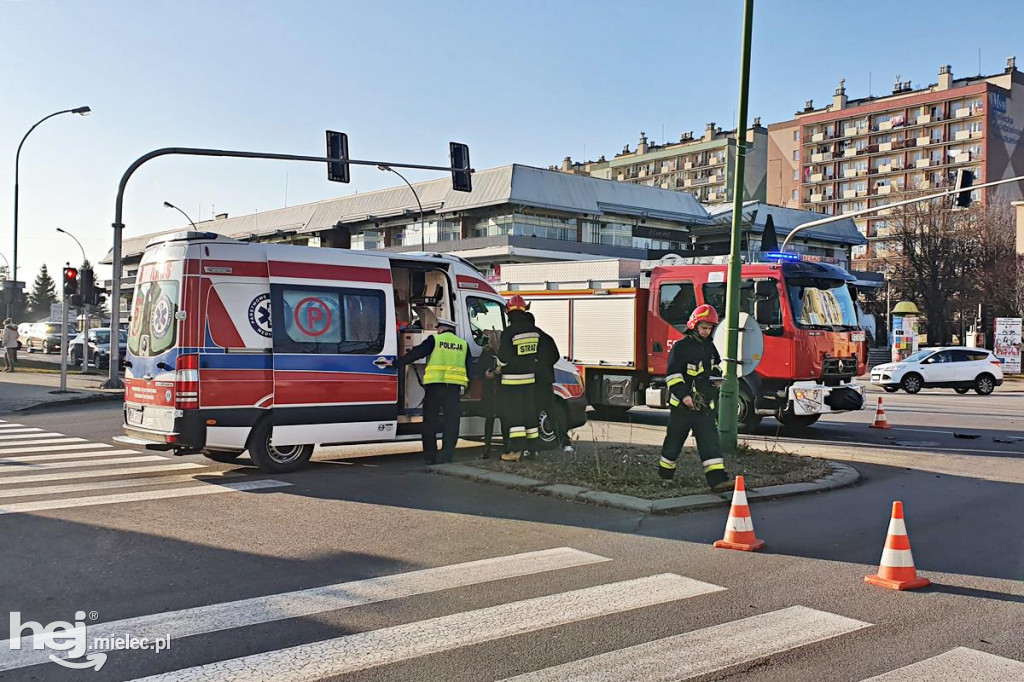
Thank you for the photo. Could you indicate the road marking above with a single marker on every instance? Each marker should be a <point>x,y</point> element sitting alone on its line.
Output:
<point>92,462</point>
<point>402,642</point>
<point>235,614</point>
<point>56,448</point>
<point>105,485</point>
<point>46,457</point>
<point>76,475</point>
<point>705,651</point>
<point>7,434</point>
<point>960,663</point>
<point>47,441</point>
<point>45,505</point>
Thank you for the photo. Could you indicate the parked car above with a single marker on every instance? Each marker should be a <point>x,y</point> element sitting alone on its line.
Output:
<point>99,347</point>
<point>45,336</point>
<point>957,367</point>
<point>23,331</point>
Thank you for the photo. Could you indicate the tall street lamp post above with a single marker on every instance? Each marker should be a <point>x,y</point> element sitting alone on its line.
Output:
<point>81,111</point>
<point>85,314</point>
<point>168,204</point>
<point>383,167</point>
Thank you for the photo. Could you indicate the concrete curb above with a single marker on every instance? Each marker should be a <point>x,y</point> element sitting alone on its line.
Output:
<point>842,475</point>
<point>79,399</point>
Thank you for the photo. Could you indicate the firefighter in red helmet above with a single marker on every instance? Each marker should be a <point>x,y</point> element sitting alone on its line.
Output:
<point>517,355</point>
<point>692,378</point>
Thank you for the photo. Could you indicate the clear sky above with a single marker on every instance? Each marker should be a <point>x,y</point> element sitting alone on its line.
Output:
<point>527,82</point>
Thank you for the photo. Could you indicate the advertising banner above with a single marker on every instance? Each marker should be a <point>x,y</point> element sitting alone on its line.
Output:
<point>1008,343</point>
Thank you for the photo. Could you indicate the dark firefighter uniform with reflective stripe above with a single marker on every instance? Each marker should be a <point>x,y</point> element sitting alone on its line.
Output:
<point>691,364</point>
<point>517,354</point>
<point>445,376</point>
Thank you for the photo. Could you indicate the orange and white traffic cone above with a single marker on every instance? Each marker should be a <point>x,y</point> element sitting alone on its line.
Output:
<point>739,529</point>
<point>880,421</point>
<point>896,570</point>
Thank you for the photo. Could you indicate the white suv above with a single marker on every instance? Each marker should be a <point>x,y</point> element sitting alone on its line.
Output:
<point>955,367</point>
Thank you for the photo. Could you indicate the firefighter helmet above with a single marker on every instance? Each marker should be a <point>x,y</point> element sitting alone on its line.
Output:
<point>517,302</point>
<point>703,313</point>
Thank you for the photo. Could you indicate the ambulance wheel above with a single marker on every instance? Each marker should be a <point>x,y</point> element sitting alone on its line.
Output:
<point>272,459</point>
<point>222,456</point>
<point>546,424</point>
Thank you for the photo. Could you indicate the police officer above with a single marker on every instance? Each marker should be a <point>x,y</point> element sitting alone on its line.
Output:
<point>693,371</point>
<point>444,381</point>
<point>517,354</point>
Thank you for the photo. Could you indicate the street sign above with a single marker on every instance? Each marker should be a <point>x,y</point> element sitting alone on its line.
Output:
<point>751,344</point>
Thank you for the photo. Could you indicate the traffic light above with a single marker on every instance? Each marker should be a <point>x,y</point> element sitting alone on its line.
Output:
<point>964,180</point>
<point>337,148</point>
<point>87,285</point>
<point>99,296</point>
<point>70,282</point>
<point>462,180</point>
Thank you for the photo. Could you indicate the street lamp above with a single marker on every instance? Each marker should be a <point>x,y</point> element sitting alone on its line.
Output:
<point>81,111</point>
<point>85,318</point>
<point>168,204</point>
<point>384,167</point>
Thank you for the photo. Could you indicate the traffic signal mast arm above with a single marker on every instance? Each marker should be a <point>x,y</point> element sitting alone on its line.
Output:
<point>905,202</point>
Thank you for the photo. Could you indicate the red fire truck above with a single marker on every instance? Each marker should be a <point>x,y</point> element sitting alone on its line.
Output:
<point>617,320</point>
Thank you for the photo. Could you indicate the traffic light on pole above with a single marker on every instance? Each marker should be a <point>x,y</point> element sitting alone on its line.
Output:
<point>964,180</point>
<point>462,178</point>
<point>70,282</point>
<point>337,148</point>
<point>88,285</point>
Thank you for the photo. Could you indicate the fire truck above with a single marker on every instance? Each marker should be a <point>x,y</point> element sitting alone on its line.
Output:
<point>617,320</point>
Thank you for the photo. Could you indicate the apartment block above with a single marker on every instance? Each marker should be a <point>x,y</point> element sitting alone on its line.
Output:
<point>703,166</point>
<point>867,153</point>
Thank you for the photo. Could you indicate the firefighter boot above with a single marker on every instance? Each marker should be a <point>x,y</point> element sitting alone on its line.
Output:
<point>511,456</point>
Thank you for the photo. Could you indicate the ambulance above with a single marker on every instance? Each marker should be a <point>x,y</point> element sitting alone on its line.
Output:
<point>273,349</point>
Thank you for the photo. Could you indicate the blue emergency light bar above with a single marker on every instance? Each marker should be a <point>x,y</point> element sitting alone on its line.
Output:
<point>783,255</point>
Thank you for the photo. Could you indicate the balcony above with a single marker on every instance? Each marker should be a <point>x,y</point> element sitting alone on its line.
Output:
<point>849,132</point>
<point>818,137</point>
<point>701,181</point>
<point>885,147</point>
<point>715,160</point>
<point>885,168</point>
<point>688,165</point>
<point>850,173</point>
<point>922,163</point>
<point>817,198</point>
<point>885,125</point>
<point>923,119</point>
<point>884,189</point>
<point>715,196</point>
<point>849,194</point>
<point>923,141</point>
<point>849,152</point>
<point>962,113</point>
<point>962,135</point>
<point>817,177</point>
<point>688,182</point>
<point>821,157</point>
<point>976,134</point>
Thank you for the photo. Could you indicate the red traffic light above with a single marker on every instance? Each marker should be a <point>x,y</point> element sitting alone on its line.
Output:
<point>70,273</point>
<point>70,281</point>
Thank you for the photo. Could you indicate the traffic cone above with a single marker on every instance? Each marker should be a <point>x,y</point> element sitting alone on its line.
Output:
<point>739,529</point>
<point>880,421</point>
<point>896,570</point>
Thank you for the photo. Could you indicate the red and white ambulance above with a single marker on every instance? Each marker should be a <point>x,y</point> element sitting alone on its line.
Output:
<point>236,346</point>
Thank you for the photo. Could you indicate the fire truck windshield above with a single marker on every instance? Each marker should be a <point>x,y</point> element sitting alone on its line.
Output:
<point>821,304</point>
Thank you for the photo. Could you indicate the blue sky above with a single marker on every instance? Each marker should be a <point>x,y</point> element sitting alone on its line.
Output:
<point>527,82</point>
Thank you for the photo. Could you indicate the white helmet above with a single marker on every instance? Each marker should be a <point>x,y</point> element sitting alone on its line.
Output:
<point>444,322</point>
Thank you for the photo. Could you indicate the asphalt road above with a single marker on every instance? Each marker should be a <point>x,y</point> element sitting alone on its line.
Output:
<point>797,611</point>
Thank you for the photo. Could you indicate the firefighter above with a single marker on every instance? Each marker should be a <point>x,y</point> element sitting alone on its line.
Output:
<point>547,357</point>
<point>693,369</point>
<point>444,381</point>
<point>517,355</point>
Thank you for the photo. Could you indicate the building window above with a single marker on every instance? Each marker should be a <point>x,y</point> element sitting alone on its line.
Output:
<point>368,240</point>
<point>613,234</point>
<point>796,195</point>
<point>796,154</point>
<point>545,227</point>
<point>796,135</point>
<point>796,175</point>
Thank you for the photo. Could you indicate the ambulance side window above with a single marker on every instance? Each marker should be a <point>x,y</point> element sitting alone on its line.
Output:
<point>328,320</point>
<point>484,315</point>
<point>675,303</point>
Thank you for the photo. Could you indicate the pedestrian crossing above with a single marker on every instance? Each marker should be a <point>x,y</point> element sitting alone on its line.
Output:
<point>691,654</point>
<point>74,468</point>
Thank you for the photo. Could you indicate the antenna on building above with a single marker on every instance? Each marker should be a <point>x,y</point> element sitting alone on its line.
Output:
<point>979,61</point>
<point>869,84</point>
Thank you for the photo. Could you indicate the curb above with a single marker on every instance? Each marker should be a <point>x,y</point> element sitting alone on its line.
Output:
<point>76,400</point>
<point>842,475</point>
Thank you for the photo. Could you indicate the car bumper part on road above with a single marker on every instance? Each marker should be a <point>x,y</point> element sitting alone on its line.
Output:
<point>811,397</point>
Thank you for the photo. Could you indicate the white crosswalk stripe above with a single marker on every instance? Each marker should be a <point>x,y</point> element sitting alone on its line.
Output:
<point>705,651</point>
<point>955,665</point>
<point>215,617</point>
<point>28,458</point>
<point>402,642</point>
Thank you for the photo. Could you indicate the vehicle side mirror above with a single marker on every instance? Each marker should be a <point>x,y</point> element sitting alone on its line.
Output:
<point>764,313</point>
<point>765,288</point>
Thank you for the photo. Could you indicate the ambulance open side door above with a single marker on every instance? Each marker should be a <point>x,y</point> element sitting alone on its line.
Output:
<point>333,341</point>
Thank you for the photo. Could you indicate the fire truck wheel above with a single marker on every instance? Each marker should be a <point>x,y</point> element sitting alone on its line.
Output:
<point>272,459</point>
<point>747,419</point>
<point>610,412</point>
<point>794,422</point>
<point>223,456</point>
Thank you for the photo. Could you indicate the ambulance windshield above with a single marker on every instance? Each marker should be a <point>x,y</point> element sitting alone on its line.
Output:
<point>152,328</point>
<point>484,315</point>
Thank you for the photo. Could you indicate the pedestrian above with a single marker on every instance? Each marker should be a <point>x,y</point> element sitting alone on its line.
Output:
<point>487,371</point>
<point>444,381</point>
<point>693,370</point>
<point>547,357</point>
<point>10,345</point>
<point>517,354</point>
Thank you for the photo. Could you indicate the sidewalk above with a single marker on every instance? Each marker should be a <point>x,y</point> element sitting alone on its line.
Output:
<point>26,389</point>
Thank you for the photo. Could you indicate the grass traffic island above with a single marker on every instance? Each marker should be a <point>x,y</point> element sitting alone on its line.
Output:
<point>633,469</point>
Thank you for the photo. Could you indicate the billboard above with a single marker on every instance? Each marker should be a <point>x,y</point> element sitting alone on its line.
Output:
<point>1007,344</point>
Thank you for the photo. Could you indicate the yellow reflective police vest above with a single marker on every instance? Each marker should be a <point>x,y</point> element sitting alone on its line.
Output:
<point>447,363</point>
